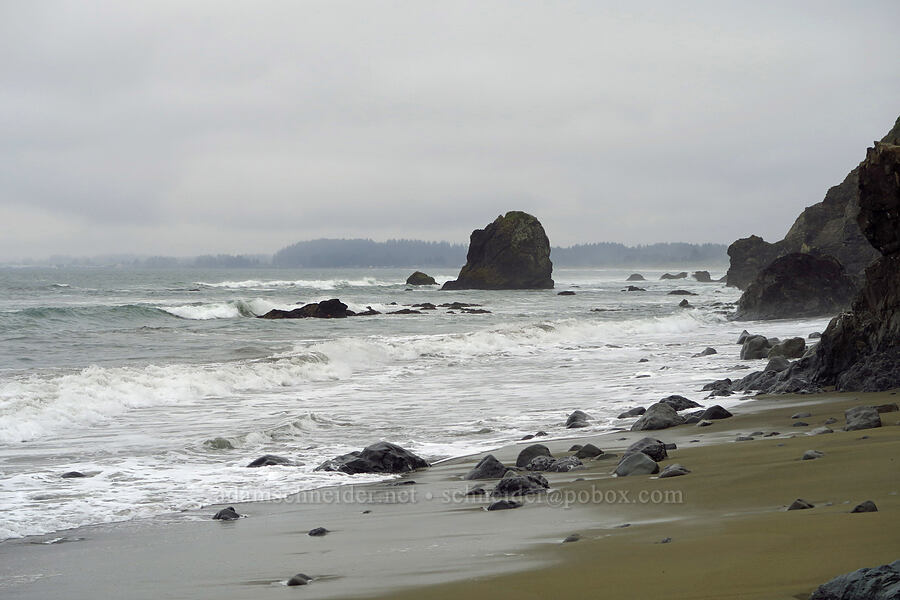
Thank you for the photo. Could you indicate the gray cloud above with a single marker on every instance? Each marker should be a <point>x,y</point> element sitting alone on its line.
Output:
<point>235,127</point>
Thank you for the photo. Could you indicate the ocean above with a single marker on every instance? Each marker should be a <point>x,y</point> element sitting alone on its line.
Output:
<point>160,385</point>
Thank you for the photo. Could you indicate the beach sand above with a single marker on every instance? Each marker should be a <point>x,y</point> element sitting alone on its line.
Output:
<point>731,536</point>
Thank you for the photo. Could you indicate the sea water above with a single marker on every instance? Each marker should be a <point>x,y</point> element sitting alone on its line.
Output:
<point>161,385</point>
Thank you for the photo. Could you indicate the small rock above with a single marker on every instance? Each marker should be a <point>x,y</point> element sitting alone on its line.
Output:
<point>744,438</point>
<point>566,293</point>
<point>812,455</point>
<point>514,484</point>
<point>572,538</point>
<point>800,424</point>
<point>814,335</point>
<point>715,412</point>
<point>704,423</point>
<point>707,352</point>
<point>575,447</point>
<point>801,415</point>
<point>541,434</point>
<point>577,419</point>
<point>674,470</point>
<point>633,412</point>
<point>226,514</point>
<point>73,475</point>
<point>800,504</point>
<point>487,468</point>
<point>527,437</point>
<point>867,506</point>
<point>666,540</point>
<point>820,430</point>
<point>830,421</point>
<point>318,532</point>
<point>504,505</point>
<point>477,491</point>
<point>299,579</point>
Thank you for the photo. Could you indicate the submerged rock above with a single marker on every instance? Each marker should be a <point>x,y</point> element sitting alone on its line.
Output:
<point>577,419</point>
<point>327,309</point>
<point>299,579</point>
<point>268,460</point>
<point>513,252</point>
<point>318,532</point>
<point>227,514</point>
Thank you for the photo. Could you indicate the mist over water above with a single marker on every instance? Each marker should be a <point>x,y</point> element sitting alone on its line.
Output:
<point>161,385</point>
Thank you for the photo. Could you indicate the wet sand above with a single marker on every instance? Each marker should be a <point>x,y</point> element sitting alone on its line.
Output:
<point>730,534</point>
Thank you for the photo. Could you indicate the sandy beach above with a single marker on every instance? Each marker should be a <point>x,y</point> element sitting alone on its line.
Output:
<point>730,534</point>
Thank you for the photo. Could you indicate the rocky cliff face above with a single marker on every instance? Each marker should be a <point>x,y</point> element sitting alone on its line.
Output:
<point>860,350</point>
<point>513,252</point>
<point>827,228</point>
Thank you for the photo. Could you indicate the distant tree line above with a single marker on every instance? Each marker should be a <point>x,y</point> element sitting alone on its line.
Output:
<point>325,253</point>
<point>609,254</point>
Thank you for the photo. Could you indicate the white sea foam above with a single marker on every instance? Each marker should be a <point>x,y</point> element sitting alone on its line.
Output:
<point>316,284</point>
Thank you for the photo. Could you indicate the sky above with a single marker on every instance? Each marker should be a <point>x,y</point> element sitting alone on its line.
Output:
<point>186,128</point>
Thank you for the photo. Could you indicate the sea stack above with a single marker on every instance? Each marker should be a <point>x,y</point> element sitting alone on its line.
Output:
<point>512,253</point>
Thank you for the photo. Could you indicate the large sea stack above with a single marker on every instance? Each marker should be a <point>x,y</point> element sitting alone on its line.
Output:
<point>827,228</point>
<point>512,253</point>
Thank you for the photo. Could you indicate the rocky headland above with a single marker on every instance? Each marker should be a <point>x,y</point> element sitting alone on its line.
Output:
<point>827,228</point>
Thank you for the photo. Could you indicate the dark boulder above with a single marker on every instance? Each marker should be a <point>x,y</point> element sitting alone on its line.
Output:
<point>797,285</point>
<point>227,514</point>
<point>681,275</point>
<point>681,293</point>
<point>513,252</point>
<point>755,347</point>
<point>719,387</point>
<point>327,309</point>
<point>381,457</point>
<point>655,449</point>
<point>812,455</point>
<point>878,583</point>
<point>577,419</point>
<point>504,505</point>
<point>680,402</point>
<point>635,277</point>
<point>702,276</point>
<point>637,463</point>
<point>790,348</point>
<point>299,579</point>
<point>658,416</point>
<point>268,460</point>
<point>744,335</point>
<point>864,507</point>
<point>515,484</point>
<point>861,417</point>
<point>318,532</point>
<point>715,412</point>
<point>565,293</point>
<point>530,452</point>
<point>420,278</point>
<point>73,475</point>
<point>588,451</point>
<point>487,468</point>
<point>633,412</point>
<point>685,304</point>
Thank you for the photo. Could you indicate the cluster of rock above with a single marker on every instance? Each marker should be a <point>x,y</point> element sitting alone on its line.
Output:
<point>665,414</point>
<point>513,252</point>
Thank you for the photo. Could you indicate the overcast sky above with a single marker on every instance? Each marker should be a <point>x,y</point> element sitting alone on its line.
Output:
<point>185,128</point>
